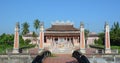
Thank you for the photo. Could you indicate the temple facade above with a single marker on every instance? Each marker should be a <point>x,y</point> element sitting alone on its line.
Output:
<point>61,37</point>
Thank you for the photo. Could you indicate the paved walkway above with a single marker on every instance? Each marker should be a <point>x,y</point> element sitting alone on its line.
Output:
<point>60,58</point>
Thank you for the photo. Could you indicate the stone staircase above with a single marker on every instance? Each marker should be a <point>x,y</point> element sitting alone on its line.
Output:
<point>63,51</point>
<point>62,48</point>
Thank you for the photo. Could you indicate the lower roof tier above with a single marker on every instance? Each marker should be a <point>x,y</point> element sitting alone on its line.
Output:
<point>62,34</point>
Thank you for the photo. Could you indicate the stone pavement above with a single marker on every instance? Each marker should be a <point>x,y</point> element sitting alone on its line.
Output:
<point>60,58</point>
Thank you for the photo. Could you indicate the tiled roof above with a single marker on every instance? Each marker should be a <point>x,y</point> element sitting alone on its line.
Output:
<point>92,35</point>
<point>62,34</point>
<point>62,28</point>
<point>29,34</point>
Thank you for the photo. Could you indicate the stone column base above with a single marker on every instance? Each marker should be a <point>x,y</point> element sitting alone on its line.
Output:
<point>50,50</point>
<point>15,51</point>
<point>107,50</point>
<point>82,51</point>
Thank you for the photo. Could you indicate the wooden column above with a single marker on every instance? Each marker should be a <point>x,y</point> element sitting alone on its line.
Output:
<point>74,42</point>
<point>82,38</point>
<point>16,39</point>
<point>41,38</point>
<point>107,39</point>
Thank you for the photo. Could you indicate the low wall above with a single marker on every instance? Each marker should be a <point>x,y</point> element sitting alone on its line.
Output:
<point>17,58</point>
<point>28,58</point>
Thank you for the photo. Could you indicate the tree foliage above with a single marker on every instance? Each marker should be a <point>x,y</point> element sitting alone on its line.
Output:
<point>6,38</point>
<point>25,28</point>
<point>99,41</point>
<point>34,35</point>
<point>115,34</point>
<point>7,41</point>
<point>86,33</point>
<point>36,24</point>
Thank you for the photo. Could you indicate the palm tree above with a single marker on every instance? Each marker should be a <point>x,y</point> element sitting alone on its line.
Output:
<point>86,33</point>
<point>36,25</point>
<point>34,35</point>
<point>25,28</point>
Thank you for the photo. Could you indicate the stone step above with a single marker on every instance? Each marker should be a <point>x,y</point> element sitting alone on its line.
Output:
<point>64,51</point>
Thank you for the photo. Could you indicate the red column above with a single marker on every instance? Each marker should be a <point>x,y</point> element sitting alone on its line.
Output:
<point>82,39</point>
<point>107,39</point>
<point>41,44</point>
<point>41,38</point>
<point>16,39</point>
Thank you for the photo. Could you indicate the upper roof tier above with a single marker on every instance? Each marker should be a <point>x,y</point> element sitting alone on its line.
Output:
<point>62,28</point>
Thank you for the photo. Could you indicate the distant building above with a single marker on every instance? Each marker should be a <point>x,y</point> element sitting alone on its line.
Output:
<point>91,38</point>
<point>30,37</point>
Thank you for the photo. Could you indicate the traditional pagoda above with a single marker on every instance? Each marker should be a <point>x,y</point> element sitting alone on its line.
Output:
<point>62,37</point>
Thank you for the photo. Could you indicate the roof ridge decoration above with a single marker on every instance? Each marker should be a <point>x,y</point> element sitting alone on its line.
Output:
<point>57,22</point>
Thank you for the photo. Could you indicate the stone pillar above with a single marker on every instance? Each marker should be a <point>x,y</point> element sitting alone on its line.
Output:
<point>16,39</point>
<point>107,39</point>
<point>74,41</point>
<point>82,38</point>
<point>41,38</point>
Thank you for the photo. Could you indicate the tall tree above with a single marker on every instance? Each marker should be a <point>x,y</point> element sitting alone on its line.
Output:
<point>86,33</point>
<point>34,35</point>
<point>115,28</point>
<point>36,25</point>
<point>25,28</point>
<point>115,34</point>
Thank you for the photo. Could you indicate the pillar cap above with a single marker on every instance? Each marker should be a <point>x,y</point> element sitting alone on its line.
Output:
<point>41,24</point>
<point>81,24</point>
<point>106,24</point>
<point>17,25</point>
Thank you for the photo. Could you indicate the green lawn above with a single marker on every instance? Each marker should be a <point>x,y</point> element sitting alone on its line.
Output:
<point>102,47</point>
<point>115,48</point>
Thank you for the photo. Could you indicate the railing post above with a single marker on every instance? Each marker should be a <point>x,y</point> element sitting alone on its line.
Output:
<point>29,58</point>
<point>27,51</point>
<point>8,58</point>
<point>114,59</point>
<point>93,58</point>
<point>117,51</point>
<point>102,51</point>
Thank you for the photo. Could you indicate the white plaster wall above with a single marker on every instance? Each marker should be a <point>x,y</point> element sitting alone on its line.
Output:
<point>90,40</point>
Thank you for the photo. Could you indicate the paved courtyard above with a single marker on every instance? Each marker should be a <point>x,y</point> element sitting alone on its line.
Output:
<point>60,58</point>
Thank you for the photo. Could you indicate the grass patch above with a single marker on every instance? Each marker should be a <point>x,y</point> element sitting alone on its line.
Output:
<point>97,46</point>
<point>116,48</point>
<point>27,47</point>
<point>103,47</point>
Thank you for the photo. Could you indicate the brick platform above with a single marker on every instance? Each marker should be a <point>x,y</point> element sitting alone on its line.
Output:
<point>60,58</point>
